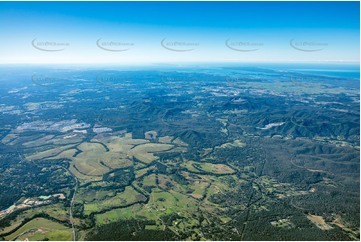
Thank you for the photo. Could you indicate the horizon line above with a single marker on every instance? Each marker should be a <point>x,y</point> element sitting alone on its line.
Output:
<point>355,62</point>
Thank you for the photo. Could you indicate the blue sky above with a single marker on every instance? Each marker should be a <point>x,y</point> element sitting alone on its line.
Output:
<point>132,32</point>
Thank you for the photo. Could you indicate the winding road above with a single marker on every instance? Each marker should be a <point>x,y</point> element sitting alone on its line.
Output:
<point>72,202</point>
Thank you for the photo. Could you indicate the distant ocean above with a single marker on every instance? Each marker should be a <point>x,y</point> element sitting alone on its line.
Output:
<point>332,70</point>
<point>333,73</point>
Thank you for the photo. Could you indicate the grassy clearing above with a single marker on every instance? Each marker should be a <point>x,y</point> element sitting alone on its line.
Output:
<point>153,227</point>
<point>219,185</point>
<point>120,144</point>
<point>160,203</point>
<point>67,154</point>
<point>140,172</point>
<point>95,160</point>
<point>189,166</point>
<point>82,177</point>
<point>68,139</point>
<point>184,203</point>
<point>117,214</point>
<point>127,197</point>
<point>165,181</point>
<point>165,139</point>
<point>165,203</point>
<point>42,227</point>
<point>144,152</point>
<point>114,161</point>
<point>88,162</point>
<point>150,180</point>
<point>199,188</point>
<point>216,168</point>
<point>58,235</point>
<point>219,169</point>
<point>39,142</point>
<point>15,223</point>
<point>57,211</point>
<point>47,153</point>
<point>88,194</point>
